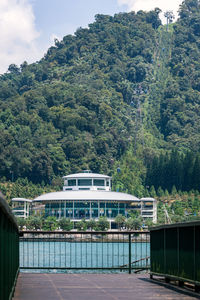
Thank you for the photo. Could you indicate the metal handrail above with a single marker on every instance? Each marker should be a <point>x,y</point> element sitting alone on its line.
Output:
<point>175,252</point>
<point>88,250</point>
<point>22,232</point>
<point>9,250</point>
<point>7,211</point>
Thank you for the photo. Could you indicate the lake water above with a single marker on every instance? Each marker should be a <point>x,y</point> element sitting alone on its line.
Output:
<point>55,255</point>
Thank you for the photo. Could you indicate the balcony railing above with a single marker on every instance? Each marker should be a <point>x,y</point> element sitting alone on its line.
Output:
<point>175,252</point>
<point>9,251</point>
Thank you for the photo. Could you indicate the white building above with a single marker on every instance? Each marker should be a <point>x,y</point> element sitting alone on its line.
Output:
<point>149,209</point>
<point>88,195</point>
<point>21,207</point>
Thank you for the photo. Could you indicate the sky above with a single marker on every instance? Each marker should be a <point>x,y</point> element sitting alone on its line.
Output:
<point>28,27</point>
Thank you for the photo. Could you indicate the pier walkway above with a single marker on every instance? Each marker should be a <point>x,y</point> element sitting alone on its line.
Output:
<point>35,286</point>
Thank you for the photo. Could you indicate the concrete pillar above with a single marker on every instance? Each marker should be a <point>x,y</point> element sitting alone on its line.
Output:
<point>90,210</point>
<point>65,209</point>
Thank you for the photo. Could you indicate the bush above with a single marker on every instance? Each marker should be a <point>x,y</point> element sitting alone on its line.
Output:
<point>82,225</point>
<point>65,224</point>
<point>50,224</point>
<point>91,224</point>
<point>102,224</point>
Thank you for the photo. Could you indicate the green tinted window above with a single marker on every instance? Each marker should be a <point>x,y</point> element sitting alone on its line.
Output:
<point>85,182</point>
<point>98,182</point>
<point>71,182</point>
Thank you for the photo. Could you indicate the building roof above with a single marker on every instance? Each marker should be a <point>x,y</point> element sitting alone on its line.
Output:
<point>86,175</point>
<point>148,199</point>
<point>21,199</point>
<point>87,196</point>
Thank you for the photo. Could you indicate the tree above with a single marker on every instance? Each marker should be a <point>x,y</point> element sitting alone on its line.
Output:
<point>34,222</point>
<point>82,225</point>
<point>137,223</point>
<point>50,224</point>
<point>174,190</point>
<point>91,224</point>
<point>152,192</point>
<point>13,69</point>
<point>120,220</point>
<point>65,224</point>
<point>178,218</point>
<point>160,192</point>
<point>102,224</point>
<point>129,223</point>
<point>153,17</point>
<point>134,213</point>
<point>42,167</point>
<point>148,223</point>
<point>21,223</point>
<point>187,8</point>
<point>24,65</point>
<point>196,174</point>
<point>134,223</point>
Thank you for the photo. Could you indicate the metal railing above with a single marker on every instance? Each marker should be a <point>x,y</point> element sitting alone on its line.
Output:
<point>175,252</point>
<point>84,250</point>
<point>9,251</point>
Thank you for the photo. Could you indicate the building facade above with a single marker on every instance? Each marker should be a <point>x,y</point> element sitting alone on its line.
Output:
<point>22,207</point>
<point>88,196</point>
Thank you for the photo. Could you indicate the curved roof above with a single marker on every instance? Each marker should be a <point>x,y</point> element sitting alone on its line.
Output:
<point>86,175</point>
<point>86,196</point>
<point>148,199</point>
<point>21,199</point>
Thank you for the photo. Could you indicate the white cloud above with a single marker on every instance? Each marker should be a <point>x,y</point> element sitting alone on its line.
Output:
<point>147,5</point>
<point>18,34</point>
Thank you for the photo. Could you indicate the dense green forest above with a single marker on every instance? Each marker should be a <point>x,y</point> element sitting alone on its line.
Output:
<point>123,93</point>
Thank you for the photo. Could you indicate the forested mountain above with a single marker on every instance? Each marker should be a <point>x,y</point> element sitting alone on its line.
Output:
<point>121,93</point>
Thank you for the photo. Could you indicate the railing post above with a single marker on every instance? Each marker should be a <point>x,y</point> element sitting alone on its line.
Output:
<point>164,233</point>
<point>129,253</point>
<point>178,251</point>
<point>194,245</point>
<point>1,256</point>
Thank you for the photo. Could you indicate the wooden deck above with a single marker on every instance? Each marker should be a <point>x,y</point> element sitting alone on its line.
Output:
<point>32,286</point>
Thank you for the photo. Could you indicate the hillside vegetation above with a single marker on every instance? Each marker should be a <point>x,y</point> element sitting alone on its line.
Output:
<point>125,92</point>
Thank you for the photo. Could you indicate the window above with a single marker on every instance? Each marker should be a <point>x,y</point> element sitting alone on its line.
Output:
<point>55,205</point>
<point>94,204</point>
<point>145,213</point>
<point>19,213</point>
<point>68,189</point>
<point>107,183</point>
<point>98,182</point>
<point>84,182</point>
<point>112,205</point>
<point>69,204</point>
<point>83,189</point>
<point>71,182</point>
<point>148,207</point>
